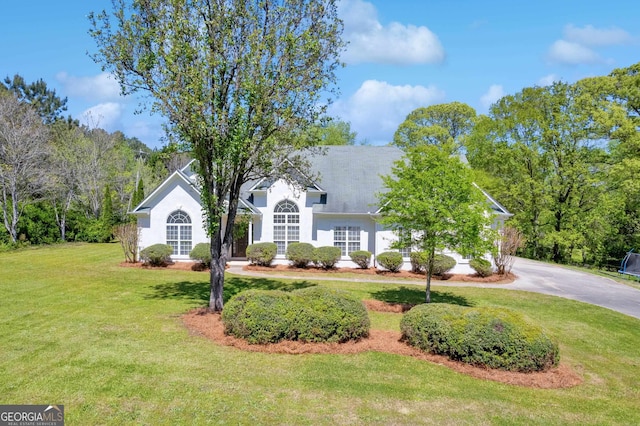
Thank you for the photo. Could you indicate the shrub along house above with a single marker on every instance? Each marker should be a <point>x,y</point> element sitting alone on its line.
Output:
<point>338,209</point>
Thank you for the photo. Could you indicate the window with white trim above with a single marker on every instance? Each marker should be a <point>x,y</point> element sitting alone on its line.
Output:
<point>347,238</point>
<point>286,225</point>
<point>404,251</point>
<point>179,233</point>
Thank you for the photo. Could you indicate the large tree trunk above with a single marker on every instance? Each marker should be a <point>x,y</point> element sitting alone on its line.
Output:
<point>216,274</point>
<point>221,241</point>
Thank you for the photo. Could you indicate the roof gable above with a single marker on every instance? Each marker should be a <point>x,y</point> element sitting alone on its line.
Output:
<point>295,175</point>
<point>176,177</point>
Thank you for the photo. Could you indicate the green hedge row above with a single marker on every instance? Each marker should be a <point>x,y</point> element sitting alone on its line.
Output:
<point>494,338</point>
<point>312,314</point>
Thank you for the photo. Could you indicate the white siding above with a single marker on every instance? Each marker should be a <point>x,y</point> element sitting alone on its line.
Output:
<point>176,195</point>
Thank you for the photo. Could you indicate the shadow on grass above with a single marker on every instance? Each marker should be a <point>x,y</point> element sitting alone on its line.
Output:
<point>415,295</point>
<point>198,291</point>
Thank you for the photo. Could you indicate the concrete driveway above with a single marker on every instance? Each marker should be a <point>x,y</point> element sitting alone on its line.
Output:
<point>538,277</point>
<point>556,280</point>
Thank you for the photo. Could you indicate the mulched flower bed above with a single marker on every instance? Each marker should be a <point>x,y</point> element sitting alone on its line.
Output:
<point>207,324</point>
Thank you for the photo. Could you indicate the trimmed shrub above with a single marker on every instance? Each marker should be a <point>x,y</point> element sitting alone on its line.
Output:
<point>442,264</point>
<point>418,261</point>
<point>300,254</point>
<point>391,260</point>
<point>329,315</point>
<point>313,314</point>
<point>260,316</point>
<point>157,255</point>
<point>202,253</point>
<point>327,256</point>
<point>489,337</point>
<point>482,267</point>
<point>362,258</point>
<point>262,254</point>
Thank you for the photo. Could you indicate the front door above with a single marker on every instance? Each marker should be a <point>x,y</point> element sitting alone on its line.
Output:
<point>240,242</point>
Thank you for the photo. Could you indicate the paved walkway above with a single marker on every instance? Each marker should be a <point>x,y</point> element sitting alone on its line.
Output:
<point>533,276</point>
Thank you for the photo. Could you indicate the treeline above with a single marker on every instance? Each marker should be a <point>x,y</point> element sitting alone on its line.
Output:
<point>61,181</point>
<point>564,159</point>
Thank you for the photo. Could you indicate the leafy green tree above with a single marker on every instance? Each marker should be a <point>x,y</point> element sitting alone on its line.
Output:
<point>332,132</point>
<point>543,145</point>
<point>443,125</point>
<point>619,92</point>
<point>432,203</point>
<point>237,81</point>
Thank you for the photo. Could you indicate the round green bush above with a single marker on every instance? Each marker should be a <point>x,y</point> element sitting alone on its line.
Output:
<point>362,258</point>
<point>482,267</point>
<point>442,264</point>
<point>300,254</point>
<point>202,253</point>
<point>327,256</point>
<point>329,315</point>
<point>418,260</point>
<point>260,316</point>
<point>262,254</point>
<point>391,260</point>
<point>489,337</point>
<point>314,314</point>
<point>156,255</point>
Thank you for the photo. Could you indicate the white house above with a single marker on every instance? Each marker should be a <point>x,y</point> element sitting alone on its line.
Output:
<point>339,209</point>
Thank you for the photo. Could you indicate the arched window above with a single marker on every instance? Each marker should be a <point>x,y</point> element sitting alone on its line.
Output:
<point>179,232</point>
<point>286,225</point>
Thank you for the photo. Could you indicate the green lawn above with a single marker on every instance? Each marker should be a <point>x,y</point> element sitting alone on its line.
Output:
<point>108,343</point>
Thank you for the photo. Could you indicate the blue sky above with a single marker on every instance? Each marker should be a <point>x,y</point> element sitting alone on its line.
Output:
<point>402,55</point>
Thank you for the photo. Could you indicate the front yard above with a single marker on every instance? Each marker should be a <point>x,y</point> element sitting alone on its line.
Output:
<point>109,344</point>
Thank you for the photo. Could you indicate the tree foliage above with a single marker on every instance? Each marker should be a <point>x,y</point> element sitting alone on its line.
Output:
<point>432,204</point>
<point>543,146</point>
<point>42,99</point>
<point>443,125</point>
<point>236,80</point>
<point>332,132</point>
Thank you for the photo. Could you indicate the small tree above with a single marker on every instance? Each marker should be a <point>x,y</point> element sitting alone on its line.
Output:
<point>138,194</point>
<point>509,242</point>
<point>128,234</point>
<point>431,194</point>
<point>107,217</point>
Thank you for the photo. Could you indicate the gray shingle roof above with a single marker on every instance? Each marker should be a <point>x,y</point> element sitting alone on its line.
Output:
<point>351,176</point>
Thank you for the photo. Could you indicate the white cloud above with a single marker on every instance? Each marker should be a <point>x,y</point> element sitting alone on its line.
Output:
<point>377,108</point>
<point>548,80</point>
<point>494,93</point>
<point>370,41</point>
<point>101,87</point>
<point>105,116</point>
<point>578,44</point>
<point>571,53</point>
<point>591,36</point>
